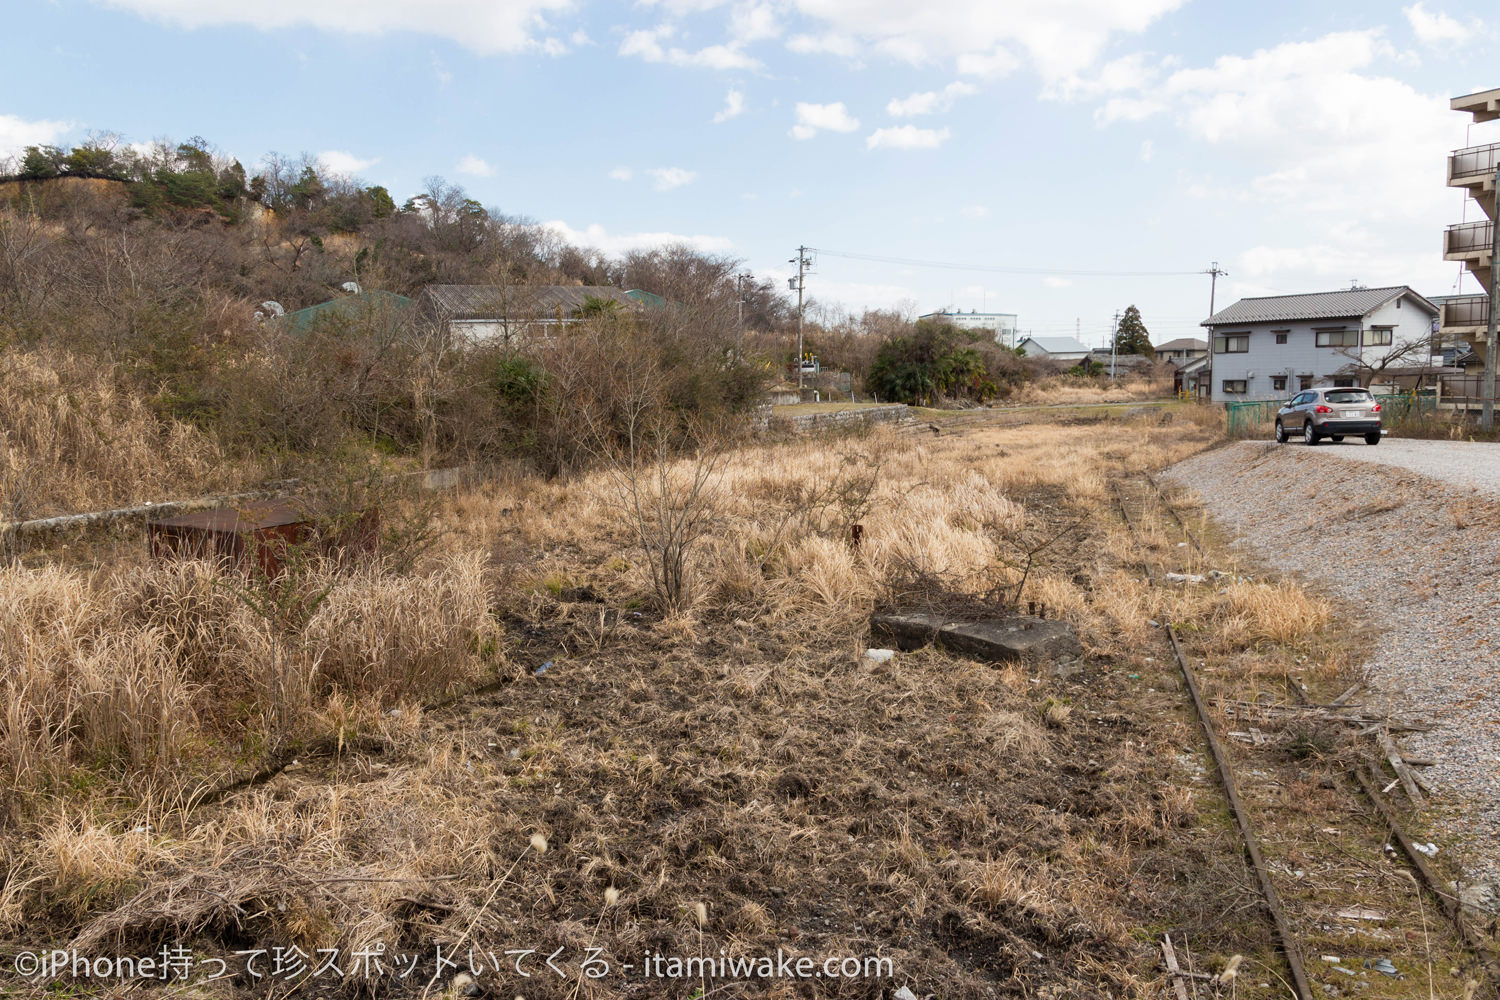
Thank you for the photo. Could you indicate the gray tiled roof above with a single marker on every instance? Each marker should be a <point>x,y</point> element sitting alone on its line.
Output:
<point>1183,344</point>
<point>1058,345</point>
<point>1348,304</point>
<point>496,301</point>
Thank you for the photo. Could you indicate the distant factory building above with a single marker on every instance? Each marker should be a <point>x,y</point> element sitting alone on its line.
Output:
<point>1001,325</point>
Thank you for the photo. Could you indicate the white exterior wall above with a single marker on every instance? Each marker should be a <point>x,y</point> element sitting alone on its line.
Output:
<point>1003,324</point>
<point>1300,355</point>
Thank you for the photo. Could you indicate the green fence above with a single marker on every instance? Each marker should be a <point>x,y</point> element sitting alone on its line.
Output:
<point>1246,418</point>
<point>1253,417</point>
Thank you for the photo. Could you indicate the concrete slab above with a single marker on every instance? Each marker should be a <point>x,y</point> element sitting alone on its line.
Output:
<point>1022,637</point>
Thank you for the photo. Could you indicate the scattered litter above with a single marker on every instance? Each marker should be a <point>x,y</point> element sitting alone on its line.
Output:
<point>1185,578</point>
<point>542,669</point>
<point>1384,966</point>
<point>904,993</point>
<point>1134,677</point>
<point>1331,958</point>
<point>1430,849</point>
<point>1360,913</point>
<point>880,655</point>
<point>394,713</point>
<point>1155,623</point>
<point>515,755</point>
<point>1182,545</point>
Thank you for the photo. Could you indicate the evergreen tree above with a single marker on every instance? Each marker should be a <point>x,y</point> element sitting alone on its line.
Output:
<point>1131,336</point>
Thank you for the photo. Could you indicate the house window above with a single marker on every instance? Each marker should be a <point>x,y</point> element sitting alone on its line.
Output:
<point>1304,382</point>
<point>1281,336</point>
<point>1238,344</point>
<point>1234,385</point>
<point>1378,336</point>
<point>1338,338</point>
<point>1343,383</point>
<point>1278,382</point>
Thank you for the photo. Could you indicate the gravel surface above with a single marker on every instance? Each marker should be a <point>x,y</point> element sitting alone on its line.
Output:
<point>1417,557</point>
<point>1474,464</point>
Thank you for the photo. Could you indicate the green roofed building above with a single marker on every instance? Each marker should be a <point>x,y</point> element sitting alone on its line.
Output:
<point>355,308</point>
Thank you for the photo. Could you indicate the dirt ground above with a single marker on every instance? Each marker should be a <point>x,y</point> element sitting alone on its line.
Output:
<point>627,789</point>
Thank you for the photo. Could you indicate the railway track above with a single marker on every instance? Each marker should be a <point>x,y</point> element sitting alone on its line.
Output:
<point>1152,521</point>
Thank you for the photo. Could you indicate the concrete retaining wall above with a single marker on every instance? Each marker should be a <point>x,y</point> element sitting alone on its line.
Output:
<point>802,422</point>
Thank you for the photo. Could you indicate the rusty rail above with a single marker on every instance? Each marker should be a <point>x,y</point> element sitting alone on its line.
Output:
<point>1247,830</point>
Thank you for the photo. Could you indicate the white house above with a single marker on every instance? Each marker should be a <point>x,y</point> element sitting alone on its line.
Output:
<point>488,313</point>
<point>1001,325</point>
<point>1054,349</point>
<point>1276,345</point>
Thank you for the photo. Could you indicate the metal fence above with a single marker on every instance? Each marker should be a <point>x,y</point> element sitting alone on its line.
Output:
<point>1476,161</point>
<point>1469,237</point>
<point>1253,417</point>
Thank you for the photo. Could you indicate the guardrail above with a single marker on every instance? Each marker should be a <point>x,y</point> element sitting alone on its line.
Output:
<point>1471,310</point>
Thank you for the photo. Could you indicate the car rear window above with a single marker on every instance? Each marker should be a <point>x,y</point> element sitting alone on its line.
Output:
<point>1348,396</point>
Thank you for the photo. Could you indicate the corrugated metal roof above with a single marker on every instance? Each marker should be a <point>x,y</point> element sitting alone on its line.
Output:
<point>1057,345</point>
<point>496,301</point>
<point>1350,303</point>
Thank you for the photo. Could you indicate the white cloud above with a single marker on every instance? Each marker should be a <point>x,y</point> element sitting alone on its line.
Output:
<point>1055,282</point>
<point>1058,37</point>
<point>734,106</point>
<point>827,44</point>
<point>598,238</point>
<point>440,71</point>
<point>996,63</point>
<point>620,174</point>
<point>483,26</point>
<point>1437,28</point>
<point>811,118</point>
<point>474,166</point>
<point>906,137</point>
<point>974,211</point>
<point>753,22</point>
<point>930,101</point>
<point>668,178</point>
<point>647,44</point>
<point>1317,132</point>
<point>344,163</point>
<point>1148,150</point>
<point>18,133</point>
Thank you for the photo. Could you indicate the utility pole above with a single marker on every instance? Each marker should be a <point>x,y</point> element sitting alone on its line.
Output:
<point>1213,283</point>
<point>803,260</point>
<point>1114,340</point>
<point>1487,405</point>
<point>739,317</point>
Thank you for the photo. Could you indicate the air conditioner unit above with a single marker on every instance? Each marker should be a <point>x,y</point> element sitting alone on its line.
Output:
<point>1249,374</point>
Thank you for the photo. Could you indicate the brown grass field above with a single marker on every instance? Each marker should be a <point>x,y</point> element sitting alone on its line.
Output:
<point>523,742</point>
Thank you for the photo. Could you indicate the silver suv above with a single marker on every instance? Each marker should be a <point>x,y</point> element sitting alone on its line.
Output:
<point>1329,413</point>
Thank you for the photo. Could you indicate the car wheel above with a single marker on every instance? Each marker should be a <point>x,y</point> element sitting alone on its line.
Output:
<point>1336,438</point>
<point>1372,438</point>
<point>1309,434</point>
<point>1280,433</point>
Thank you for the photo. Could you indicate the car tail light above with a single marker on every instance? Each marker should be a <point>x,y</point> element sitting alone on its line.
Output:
<point>1376,408</point>
<point>1324,409</point>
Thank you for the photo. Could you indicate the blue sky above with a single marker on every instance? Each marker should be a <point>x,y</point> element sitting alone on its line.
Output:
<point>1299,145</point>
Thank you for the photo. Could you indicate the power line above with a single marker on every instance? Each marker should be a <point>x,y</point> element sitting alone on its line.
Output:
<point>951,266</point>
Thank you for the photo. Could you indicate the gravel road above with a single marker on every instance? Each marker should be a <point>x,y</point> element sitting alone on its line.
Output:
<point>1463,463</point>
<point>1406,534</point>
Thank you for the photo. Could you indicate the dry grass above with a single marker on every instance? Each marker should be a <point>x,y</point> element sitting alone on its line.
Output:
<point>72,441</point>
<point>1068,390</point>
<point>168,670</point>
<point>738,754</point>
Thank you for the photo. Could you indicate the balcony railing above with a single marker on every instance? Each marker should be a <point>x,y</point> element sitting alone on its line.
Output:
<point>1470,237</point>
<point>1476,161</point>
<point>1471,310</point>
